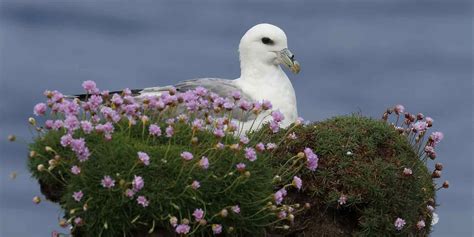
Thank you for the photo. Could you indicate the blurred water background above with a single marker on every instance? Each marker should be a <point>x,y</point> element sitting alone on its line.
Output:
<point>356,56</point>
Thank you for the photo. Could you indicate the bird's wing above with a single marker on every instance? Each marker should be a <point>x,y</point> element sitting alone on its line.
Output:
<point>222,87</point>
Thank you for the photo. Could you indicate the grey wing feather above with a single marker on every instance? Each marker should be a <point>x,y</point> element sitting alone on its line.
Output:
<point>222,87</point>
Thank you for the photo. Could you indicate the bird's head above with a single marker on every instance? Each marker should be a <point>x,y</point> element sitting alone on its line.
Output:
<point>267,44</point>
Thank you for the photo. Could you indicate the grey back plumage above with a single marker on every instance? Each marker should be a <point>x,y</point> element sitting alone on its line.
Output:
<point>221,87</point>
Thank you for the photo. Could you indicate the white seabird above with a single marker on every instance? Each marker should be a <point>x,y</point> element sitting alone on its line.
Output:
<point>263,48</point>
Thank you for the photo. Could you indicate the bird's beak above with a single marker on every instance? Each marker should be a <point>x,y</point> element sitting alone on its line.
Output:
<point>288,59</point>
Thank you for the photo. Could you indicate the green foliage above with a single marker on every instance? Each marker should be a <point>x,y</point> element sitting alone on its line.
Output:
<point>360,158</point>
<point>109,212</point>
<point>364,160</point>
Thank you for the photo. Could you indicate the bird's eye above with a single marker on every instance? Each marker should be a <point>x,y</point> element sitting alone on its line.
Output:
<point>267,41</point>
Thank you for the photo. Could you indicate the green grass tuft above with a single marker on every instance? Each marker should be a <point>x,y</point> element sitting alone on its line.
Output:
<point>167,180</point>
<point>371,176</point>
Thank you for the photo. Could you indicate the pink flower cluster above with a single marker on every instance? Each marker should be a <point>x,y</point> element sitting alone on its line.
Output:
<point>311,159</point>
<point>279,195</point>
<point>278,117</point>
<point>77,145</point>
<point>415,127</point>
<point>104,113</point>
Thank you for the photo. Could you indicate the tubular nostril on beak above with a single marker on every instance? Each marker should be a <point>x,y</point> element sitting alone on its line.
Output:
<point>288,60</point>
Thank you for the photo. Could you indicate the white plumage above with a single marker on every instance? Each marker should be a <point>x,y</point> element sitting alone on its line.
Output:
<point>262,49</point>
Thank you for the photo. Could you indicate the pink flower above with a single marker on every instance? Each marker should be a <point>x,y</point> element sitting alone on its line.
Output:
<point>71,123</point>
<point>182,229</point>
<point>282,214</point>
<point>311,159</point>
<point>138,183</point>
<point>195,185</point>
<point>40,109</point>
<point>260,147</point>
<point>117,99</point>
<point>187,155</point>
<point>399,223</point>
<point>204,163</point>
<point>437,137</point>
<point>58,124</point>
<point>109,114</point>
<point>297,182</point>
<point>236,209</point>
<point>142,201</point>
<point>200,91</point>
<point>154,130</point>
<point>77,144</point>
<point>399,109</point>
<point>54,234</point>
<point>49,124</point>
<point>420,224</point>
<point>342,199</point>
<point>299,121</point>
<point>245,105</point>
<point>78,196</point>
<point>250,154</point>
<point>228,105</point>
<point>407,171</point>
<point>244,139</point>
<point>266,105</point>
<point>420,126</point>
<point>75,170</point>
<point>107,182</point>
<point>69,107</point>
<point>278,196</point>
<point>66,140</point>
<point>257,107</point>
<point>127,92</point>
<point>240,167</point>
<point>216,228</point>
<point>277,116</point>
<point>274,126</point>
<point>95,118</point>
<point>292,136</point>
<point>78,221</point>
<point>169,131</point>
<point>429,121</point>
<point>86,127</point>
<point>129,193</point>
<point>144,158</point>
<point>198,214</point>
<point>89,86</point>
<point>220,146</point>
<point>219,133</point>
<point>236,95</point>
<point>420,116</point>
<point>79,147</point>
<point>55,96</point>
<point>219,123</point>
<point>271,146</point>
<point>198,124</point>
<point>429,149</point>
<point>94,102</point>
<point>106,128</point>
<point>232,126</point>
